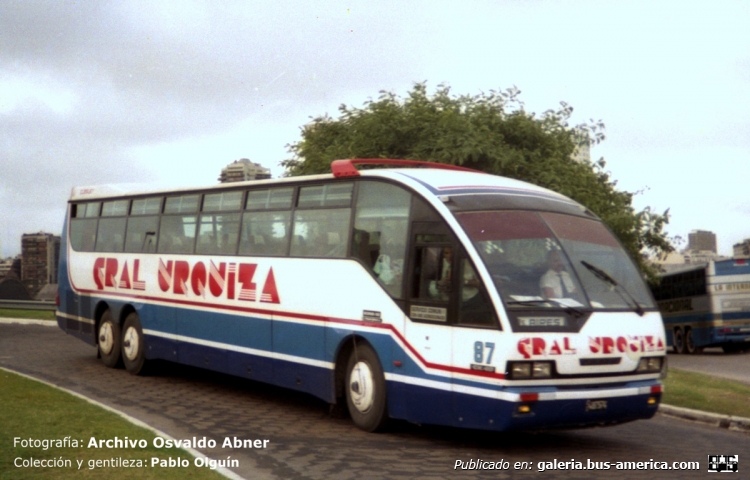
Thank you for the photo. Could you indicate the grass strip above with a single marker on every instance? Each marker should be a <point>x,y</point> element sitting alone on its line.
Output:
<point>703,392</point>
<point>32,410</point>
<point>35,314</point>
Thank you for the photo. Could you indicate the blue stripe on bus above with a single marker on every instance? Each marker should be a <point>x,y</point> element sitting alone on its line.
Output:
<point>690,318</point>
<point>736,316</point>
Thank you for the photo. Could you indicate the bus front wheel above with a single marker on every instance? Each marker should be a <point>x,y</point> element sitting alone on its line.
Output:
<point>365,389</point>
<point>108,340</point>
<point>678,341</point>
<point>133,346</point>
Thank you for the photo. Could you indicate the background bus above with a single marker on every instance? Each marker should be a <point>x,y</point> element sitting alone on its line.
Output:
<point>707,305</point>
<point>434,295</point>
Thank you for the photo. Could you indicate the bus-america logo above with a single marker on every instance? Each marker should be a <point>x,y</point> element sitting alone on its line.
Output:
<point>231,280</point>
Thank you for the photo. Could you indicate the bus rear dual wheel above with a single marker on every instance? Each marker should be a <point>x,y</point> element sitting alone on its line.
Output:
<point>108,341</point>
<point>684,342</point>
<point>122,345</point>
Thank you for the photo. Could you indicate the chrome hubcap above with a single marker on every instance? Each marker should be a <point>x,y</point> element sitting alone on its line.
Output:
<point>361,387</point>
<point>106,338</point>
<point>130,343</point>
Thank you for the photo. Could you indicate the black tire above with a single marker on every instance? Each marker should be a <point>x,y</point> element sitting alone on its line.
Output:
<point>133,345</point>
<point>678,340</point>
<point>108,341</point>
<point>364,384</point>
<point>690,343</point>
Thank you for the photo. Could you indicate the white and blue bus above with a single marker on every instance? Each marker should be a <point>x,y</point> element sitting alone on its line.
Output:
<point>707,305</point>
<point>430,294</point>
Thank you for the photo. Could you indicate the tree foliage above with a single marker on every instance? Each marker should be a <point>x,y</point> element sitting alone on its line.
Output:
<point>490,132</point>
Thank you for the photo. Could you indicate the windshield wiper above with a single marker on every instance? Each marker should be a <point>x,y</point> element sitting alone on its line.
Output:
<point>605,277</point>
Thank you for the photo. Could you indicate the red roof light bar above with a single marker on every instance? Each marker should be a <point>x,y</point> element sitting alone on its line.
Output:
<point>346,167</point>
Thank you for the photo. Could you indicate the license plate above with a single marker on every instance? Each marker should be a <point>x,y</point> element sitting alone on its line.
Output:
<point>596,405</point>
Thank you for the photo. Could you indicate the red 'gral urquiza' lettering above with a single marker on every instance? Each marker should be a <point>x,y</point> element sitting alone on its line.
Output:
<point>106,274</point>
<point>536,346</point>
<point>625,344</point>
<point>628,344</point>
<point>179,277</point>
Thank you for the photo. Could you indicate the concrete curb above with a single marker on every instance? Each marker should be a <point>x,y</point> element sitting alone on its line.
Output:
<point>29,321</point>
<point>730,422</point>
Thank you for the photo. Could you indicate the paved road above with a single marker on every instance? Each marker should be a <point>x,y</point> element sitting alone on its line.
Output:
<point>713,361</point>
<point>305,442</point>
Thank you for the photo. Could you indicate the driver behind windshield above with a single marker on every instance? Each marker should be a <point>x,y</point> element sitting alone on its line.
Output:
<point>556,282</point>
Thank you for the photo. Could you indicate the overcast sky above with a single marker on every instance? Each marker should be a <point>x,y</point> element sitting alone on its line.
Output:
<point>171,92</point>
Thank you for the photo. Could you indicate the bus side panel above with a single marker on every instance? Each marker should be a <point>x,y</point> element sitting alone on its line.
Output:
<point>158,329</point>
<point>426,404</point>
<point>415,394</point>
<point>299,350</point>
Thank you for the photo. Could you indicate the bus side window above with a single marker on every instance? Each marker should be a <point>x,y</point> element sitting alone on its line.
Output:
<point>320,233</point>
<point>143,225</point>
<point>141,234</point>
<point>380,232</point>
<point>110,235</point>
<point>217,234</point>
<point>82,229</point>
<point>474,306</point>
<point>83,234</point>
<point>265,233</point>
<point>432,273</point>
<point>177,234</point>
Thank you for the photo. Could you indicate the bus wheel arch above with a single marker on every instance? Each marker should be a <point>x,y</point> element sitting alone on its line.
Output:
<point>342,357</point>
<point>678,340</point>
<point>108,339</point>
<point>364,387</point>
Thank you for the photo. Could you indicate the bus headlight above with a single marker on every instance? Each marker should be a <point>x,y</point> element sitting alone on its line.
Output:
<point>519,370</point>
<point>650,365</point>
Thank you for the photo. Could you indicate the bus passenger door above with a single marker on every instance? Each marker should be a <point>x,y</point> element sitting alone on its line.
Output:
<point>430,307</point>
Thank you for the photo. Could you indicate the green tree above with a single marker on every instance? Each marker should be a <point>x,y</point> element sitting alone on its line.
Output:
<point>490,132</point>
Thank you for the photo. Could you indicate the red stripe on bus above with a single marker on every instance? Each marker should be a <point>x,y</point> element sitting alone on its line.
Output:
<point>305,316</point>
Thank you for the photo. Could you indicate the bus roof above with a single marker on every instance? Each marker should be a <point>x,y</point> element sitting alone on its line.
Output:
<point>441,182</point>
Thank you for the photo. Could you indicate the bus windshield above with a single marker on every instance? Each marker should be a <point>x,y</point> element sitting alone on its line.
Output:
<point>544,259</point>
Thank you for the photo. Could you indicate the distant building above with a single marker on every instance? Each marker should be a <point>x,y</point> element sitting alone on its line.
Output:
<point>742,249</point>
<point>242,170</point>
<point>676,261</point>
<point>40,254</point>
<point>702,240</point>
<point>670,262</point>
<point>701,256</point>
